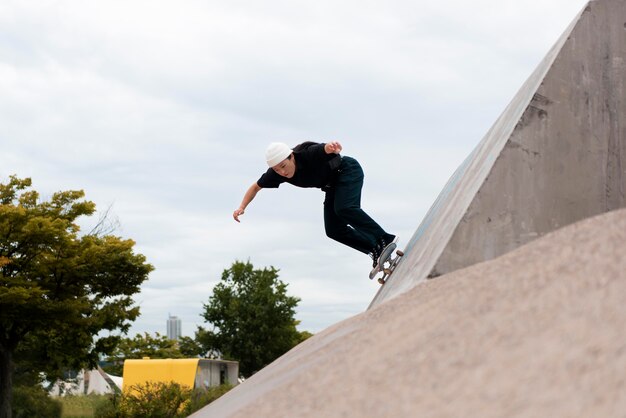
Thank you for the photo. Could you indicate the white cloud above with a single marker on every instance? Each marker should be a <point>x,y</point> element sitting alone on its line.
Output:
<point>163,110</point>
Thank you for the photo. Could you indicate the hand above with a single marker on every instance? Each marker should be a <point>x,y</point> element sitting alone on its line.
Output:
<point>333,147</point>
<point>238,213</point>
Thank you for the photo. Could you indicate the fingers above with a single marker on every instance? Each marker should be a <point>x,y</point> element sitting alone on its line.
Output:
<point>334,146</point>
<point>237,214</point>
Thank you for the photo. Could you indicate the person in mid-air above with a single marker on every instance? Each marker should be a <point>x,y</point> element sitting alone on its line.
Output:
<point>321,166</point>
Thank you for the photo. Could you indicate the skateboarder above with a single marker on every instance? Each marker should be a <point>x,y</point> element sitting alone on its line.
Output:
<point>321,166</point>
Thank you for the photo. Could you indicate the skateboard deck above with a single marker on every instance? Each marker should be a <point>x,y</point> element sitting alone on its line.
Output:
<point>386,263</point>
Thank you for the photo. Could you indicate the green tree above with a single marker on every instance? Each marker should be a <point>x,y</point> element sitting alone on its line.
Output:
<point>157,346</point>
<point>190,347</point>
<point>142,346</point>
<point>252,317</point>
<point>58,288</point>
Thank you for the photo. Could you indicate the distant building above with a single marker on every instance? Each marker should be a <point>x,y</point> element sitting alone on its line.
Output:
<point>174,328</point>
<point>86,382</point>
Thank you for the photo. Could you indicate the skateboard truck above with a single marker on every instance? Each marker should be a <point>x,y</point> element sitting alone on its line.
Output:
<point>387,263</point>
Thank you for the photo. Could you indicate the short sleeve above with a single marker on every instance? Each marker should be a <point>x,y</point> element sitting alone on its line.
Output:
<point>270,180</point>
<point>316,152</point>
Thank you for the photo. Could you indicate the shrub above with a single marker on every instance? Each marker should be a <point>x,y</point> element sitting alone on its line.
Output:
<point>152,399</point>
<point>158,400</point>
<point>203,397</point>
<point>108,408</point>
<point>34,401</point>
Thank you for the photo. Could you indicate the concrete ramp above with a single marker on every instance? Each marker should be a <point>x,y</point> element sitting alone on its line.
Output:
<point>550,312</point>
<point>556,155</point>
<point>538,332</point>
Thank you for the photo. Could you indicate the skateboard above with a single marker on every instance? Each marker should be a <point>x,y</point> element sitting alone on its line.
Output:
<point>386,258</point>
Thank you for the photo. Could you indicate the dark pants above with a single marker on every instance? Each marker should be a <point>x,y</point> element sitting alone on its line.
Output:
<point>344,219</point>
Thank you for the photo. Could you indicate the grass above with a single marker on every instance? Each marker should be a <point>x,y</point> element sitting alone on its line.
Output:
<point>85,406</point>
<point>80,406</point>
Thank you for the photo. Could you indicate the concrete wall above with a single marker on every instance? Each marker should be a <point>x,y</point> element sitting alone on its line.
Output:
<point>556,155</point>
<point>216,372</point>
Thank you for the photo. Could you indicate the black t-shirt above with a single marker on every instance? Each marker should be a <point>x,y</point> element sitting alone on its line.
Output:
<point>313,169</point>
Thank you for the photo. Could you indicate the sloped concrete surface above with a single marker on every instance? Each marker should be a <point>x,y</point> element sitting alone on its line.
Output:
<point>556,155</point>
<point>536,332</point>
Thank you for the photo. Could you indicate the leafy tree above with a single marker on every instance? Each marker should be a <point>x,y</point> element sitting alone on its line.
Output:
<point>142,346</point>
<point>252,317</point>
<point>190,347</point>
<point>157,346</point>
<point>59,289</point>
<point>303,336</point>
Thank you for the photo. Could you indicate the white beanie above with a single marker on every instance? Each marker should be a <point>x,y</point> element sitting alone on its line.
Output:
<point>276,152</point>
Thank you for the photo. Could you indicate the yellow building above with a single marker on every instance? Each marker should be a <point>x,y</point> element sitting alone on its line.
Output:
<point>193,373</point>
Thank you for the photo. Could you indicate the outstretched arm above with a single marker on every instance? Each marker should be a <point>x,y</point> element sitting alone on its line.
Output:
<point>333,147</point>
<point>247,198</point>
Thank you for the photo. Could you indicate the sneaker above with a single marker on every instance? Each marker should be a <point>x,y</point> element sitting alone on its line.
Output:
<point>375,254</point>
<point>385,240</point>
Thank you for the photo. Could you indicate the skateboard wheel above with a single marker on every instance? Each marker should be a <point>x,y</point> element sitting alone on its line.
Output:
<point>381,280</point>
<point>400,253</point>
<point>387,272</point>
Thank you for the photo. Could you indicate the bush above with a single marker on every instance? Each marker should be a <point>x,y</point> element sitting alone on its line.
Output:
<point>108,408</point>
<point>152,399</point>
<point>33,401</point>
<point>158,400</point>
<point>203,397</point>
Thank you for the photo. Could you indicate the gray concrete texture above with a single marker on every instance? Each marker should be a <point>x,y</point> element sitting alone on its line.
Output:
<point>556,155</point>
<point>538,332</point>
<point>535,331</point>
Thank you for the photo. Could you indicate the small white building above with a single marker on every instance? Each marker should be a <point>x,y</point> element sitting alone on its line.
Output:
<point>86,382</point>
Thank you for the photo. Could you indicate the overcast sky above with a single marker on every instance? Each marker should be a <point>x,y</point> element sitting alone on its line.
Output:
<point>162,110</point>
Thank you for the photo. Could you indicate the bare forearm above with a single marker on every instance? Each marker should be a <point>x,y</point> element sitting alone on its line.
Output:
<point>247,198</point>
